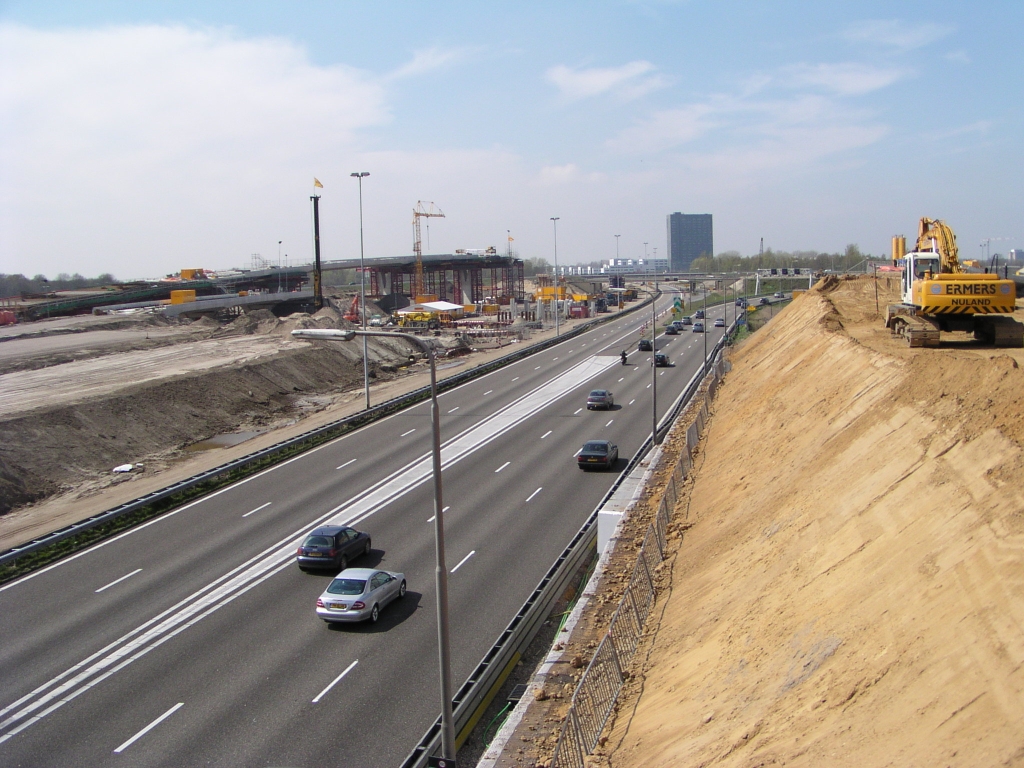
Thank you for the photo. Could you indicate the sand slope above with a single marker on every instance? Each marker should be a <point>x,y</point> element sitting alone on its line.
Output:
<point>851,591</point>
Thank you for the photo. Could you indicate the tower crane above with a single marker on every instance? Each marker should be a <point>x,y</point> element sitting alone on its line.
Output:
<point>421,212</point>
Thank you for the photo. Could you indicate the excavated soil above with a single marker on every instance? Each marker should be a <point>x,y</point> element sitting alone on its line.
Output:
<point>850,589</point>
<point>80,400</point>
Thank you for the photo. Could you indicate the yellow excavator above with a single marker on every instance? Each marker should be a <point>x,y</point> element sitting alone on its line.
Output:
<point>939,296</point>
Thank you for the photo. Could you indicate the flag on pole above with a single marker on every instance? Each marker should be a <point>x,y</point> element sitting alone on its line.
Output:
<point>316,183</point>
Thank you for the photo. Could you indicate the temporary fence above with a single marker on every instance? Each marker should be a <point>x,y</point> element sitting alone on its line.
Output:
<point>599,687</point>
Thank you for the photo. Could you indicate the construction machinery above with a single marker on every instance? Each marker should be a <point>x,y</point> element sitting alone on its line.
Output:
<point>421,212</point>
<point>937,295</point>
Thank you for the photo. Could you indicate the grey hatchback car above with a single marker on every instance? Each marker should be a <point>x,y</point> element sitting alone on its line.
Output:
<point>332,546</point>
<point>359,594</point>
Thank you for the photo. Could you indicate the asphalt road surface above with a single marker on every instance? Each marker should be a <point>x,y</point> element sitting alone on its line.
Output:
<point>192,640</point>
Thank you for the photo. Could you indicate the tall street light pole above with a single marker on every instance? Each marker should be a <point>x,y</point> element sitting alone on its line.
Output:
<point>440,567</point>
<point>362,289</point>
<point>554,224</point>
<point>617,249</point>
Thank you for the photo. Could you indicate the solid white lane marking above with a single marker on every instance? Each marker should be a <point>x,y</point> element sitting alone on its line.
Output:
<point>546,434</point>
<point>133,645</point>
<point>534,493</point>
<point>335,681</point>
<point>609,422</point>
<point>453,410</point>
<point>149,727</point>
<point>263,506</point>
<point>404,434</point>
<point>463,561</point>
<point>126,576</point>
<point>632,401</point>
<point>488,391</point>
<point>502,467</point>
<point>576,411</point>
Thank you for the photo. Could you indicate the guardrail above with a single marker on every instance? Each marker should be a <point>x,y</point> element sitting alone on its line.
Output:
<point>482,685</point>
<point>206,482</point>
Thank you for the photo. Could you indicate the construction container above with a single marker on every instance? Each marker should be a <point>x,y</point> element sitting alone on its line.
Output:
<point>192,274</point>
<point>182,297</point>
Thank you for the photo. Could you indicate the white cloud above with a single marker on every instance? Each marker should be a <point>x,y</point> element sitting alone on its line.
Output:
<point>666,128</point>
<point>148,143</point>
<point>428,60</point>
<point>897,35</point>
<point>845,79</point>
<point>559,175</point>
<point>979,128</point>
<point>960,57</point>
<point>630,81</point>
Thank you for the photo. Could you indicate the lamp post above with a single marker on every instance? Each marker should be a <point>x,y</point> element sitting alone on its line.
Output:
<point>654,368</point>
<point>362,289</point>
<point>617,249</point>
<point>440,567</point>
<point>554,224</point>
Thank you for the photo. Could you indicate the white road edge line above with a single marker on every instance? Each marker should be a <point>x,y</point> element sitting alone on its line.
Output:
<point>535,493</point>
<point>149,727</point>
<point>404,434</point>
<point>118,581</point>
<point>546,434</point>
<point>463,561</point>
<point>502,467</point>
<point>335,681</point>
<point>264,506</point>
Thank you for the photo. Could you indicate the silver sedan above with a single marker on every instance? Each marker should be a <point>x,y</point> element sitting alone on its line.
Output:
<point>359,594</point>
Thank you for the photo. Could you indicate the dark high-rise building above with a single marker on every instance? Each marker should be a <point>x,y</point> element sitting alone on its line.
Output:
<point>689,238</point>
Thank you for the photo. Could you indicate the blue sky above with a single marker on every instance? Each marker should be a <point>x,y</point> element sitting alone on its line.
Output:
<point>139,138</point>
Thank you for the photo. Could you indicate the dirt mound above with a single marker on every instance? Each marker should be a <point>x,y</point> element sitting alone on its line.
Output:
<point>851,589</point>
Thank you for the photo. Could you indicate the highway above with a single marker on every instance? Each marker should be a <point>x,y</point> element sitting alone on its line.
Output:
<point>192,640</point>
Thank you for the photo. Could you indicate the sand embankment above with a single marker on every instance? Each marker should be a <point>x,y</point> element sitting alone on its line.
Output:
<point>851,591</point>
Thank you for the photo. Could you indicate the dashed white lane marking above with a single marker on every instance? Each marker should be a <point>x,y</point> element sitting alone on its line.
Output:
<point>546,434</point>
<point>453,410</point>
<point>516,379</point>
<point>537,368</point>
<point>648,386</point>
<point>576,411</point>
<point>534,493</point>
<point>632,401</point>
<point>661,373</point>
<point>622,379</point>
<point>404,434</point>
<point>149,727</point>
<point>118,581</point>
<point>609,422</point>
<point>77,679</point>
<point>502,467</point>
<point>463,561</point>
<point>488,391</point>
<point>443,510</point>
<point>264,506</point>
<point>335,681</point>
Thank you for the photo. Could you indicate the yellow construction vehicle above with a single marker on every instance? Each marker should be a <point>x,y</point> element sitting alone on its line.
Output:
<point>939,296</point>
